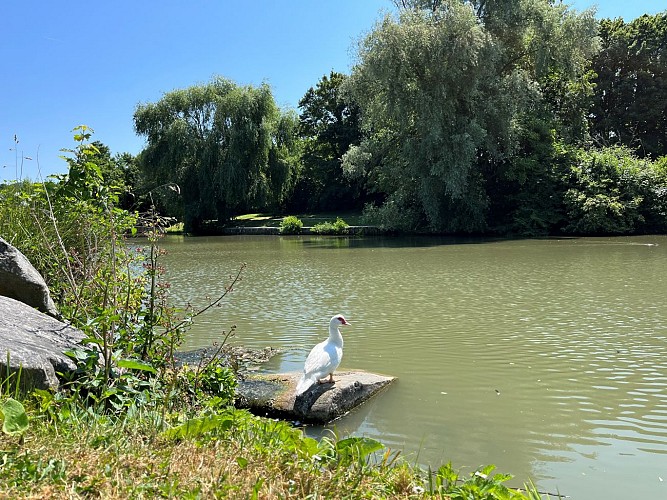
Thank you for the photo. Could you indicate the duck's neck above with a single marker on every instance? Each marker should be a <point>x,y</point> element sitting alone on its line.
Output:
<point>335,336</point>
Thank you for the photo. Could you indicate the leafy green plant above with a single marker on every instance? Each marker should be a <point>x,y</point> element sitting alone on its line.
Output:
<point>613,192</point>
<point>339,226</point>
<point>199,426</point>
<point>291,225</point>
<point>356,449</point>
<point>211,384</point>
<point>116,295</point>
<point>480,484</point>
<point>15,419</point>
<point>14,416</point>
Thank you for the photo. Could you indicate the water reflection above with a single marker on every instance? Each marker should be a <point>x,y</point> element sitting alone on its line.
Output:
<point>545,357</point>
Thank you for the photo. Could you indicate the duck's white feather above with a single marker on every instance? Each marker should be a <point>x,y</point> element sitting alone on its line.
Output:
<point>324,358</point>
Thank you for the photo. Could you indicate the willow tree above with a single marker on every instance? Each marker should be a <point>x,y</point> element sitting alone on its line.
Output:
<point>446,90</point>
<point>227,147</point>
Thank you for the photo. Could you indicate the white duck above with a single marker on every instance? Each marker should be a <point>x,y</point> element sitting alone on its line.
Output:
<point>324,358</point>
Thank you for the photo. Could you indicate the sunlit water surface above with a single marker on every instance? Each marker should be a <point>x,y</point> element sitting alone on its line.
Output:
<point>547,358</point>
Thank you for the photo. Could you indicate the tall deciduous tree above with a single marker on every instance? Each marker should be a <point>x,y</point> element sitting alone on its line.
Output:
<point>328,125</point>
<point>444,92</point>
<point>631,95</point>
<point>226,146</point>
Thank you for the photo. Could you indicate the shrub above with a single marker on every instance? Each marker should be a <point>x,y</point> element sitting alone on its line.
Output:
<point>291,225</point>
<point>614,192</point>
<point>395,214</point>
<point>338,227</point>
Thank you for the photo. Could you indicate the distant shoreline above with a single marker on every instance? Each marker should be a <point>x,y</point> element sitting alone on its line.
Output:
<point>266,230</point>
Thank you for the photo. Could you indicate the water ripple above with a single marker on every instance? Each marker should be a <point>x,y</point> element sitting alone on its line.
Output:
<point>548,358</point>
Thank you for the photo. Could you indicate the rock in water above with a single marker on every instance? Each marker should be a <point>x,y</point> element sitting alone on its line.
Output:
<point>273,395</point>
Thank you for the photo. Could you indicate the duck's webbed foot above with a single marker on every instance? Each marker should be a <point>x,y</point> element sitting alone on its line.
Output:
<point>330,380</point>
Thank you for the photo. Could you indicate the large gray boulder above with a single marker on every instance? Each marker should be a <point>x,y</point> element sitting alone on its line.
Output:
<point>34,344</point>
<point>20,280</point>
<point>273,395</point>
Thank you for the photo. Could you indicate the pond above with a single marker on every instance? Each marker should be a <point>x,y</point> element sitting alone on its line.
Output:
<point>547,358</point>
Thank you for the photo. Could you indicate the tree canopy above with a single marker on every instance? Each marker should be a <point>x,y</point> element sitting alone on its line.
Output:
<point>328,125</point>
<point>444,91</point>
<point>227,147</point>
<point>630,106</point>
<point>459,116</point>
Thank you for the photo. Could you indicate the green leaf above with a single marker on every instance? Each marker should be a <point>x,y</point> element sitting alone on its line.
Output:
<point>135,364</point>
<point>15,417</point>
<point>447,474</point>
<point>196,427</point>
<point>356,448</point>
<point>487,470</point>
<point>257,487</point>
<point>310,446</point>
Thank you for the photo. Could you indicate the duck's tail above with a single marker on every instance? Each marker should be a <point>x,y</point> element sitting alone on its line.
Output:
<point>304,384</point>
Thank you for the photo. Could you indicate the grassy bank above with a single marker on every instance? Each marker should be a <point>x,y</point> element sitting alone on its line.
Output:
<point>72,452</point>
<point>308,219</point>
<point>94,457</point>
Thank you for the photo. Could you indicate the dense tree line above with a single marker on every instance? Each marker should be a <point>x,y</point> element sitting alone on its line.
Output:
<point>630,100</point>
<point>519,117</point>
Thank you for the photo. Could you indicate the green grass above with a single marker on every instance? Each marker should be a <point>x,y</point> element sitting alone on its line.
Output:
<point>75,453</point>
<point>86,455</point>
<point>175,228</point>
<point>309,219</point>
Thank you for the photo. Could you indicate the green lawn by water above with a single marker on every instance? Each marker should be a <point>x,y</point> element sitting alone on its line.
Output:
<point>273,220</point>
<point>309,219</point>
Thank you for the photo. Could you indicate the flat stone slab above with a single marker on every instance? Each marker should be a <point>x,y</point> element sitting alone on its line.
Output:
<point>272,395</point>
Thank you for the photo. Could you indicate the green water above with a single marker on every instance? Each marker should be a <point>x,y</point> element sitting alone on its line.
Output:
<point>547,358</point>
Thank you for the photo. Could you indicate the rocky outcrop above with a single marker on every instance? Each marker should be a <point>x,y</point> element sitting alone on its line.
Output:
<point>241,359</point>
<point>20,280</point>
<point>273,395</point>
<point>33,344</point>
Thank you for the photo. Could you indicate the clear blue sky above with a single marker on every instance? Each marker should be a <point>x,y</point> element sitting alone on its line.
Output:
<point>68,63</point>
